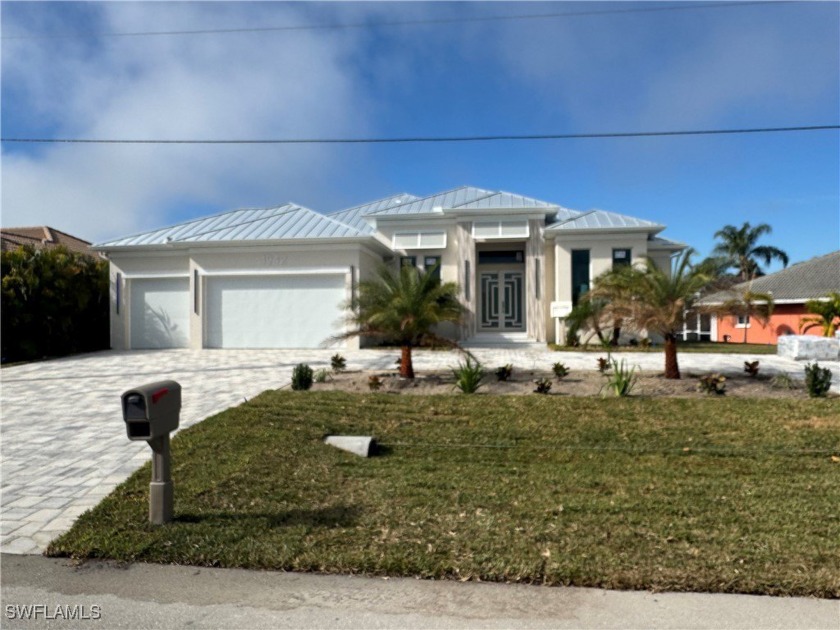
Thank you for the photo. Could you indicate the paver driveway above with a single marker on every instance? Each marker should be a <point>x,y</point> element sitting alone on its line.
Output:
<point>63,439</point>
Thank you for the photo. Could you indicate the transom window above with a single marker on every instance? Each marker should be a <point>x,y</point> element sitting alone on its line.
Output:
<point>501,257</point>
<point>420,240</point>
<point>500,229</point>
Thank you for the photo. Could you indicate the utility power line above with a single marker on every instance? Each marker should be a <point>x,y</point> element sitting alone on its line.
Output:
<point>428,139</point>
<point>687,6</point>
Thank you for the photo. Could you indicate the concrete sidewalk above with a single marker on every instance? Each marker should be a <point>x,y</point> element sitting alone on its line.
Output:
<point>152,596</point>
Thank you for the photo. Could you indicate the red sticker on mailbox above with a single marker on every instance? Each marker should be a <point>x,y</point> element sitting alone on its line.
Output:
<point>159,394</point>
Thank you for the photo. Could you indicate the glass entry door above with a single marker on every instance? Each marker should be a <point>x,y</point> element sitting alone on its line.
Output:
<point>502,307</point>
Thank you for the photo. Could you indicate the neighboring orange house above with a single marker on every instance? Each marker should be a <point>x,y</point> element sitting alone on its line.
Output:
<point>791,288</point>
<point>42,237</point>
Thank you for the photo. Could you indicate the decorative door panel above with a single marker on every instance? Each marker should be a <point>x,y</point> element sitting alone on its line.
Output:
<point>502,300</point>
<point>489,301</point>
<point>513,319</point>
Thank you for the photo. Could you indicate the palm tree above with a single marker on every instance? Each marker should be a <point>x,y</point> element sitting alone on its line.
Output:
<point>739,246</point>
<point>405,307</point>
<point>656,300</point>
<point>826,311</point>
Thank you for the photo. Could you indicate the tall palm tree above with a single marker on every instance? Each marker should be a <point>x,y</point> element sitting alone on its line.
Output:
<point>405,307</point>
<point>656,300</point>
<point>740,246</point>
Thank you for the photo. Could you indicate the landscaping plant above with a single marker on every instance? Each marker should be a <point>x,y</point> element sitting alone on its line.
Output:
<point>783,381</point>
<point>560,370</point>
<point>301,377</point>
<point>712,384</point>
<point>374,383</point>
<point>321,375</point>
<point>751,368</point>
<point>826,314</point>
<point>504,373</point>
<point>603,365</point>
<point>543,386</point>
<point>468,376</point>
<point>338,363</point>
<point>622,380</point>
<point>817,380</point>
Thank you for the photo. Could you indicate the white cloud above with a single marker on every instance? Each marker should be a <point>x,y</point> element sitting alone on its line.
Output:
<point>229,86</point>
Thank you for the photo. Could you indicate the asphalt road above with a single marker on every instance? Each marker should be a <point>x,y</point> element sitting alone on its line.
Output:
<point>143,596</point>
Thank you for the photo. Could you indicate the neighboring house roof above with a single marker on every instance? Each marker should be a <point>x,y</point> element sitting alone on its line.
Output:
<point>601,219</point>
<point>802,281</point>
<point>41,237</point>
<point>289,221</point>
<point>355,216</point>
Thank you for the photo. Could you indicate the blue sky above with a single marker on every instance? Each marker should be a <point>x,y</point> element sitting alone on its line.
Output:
<point>740,66</point>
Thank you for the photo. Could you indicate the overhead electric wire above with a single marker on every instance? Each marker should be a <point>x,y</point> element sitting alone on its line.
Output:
<point>429,139</point>
<point>419,22</point>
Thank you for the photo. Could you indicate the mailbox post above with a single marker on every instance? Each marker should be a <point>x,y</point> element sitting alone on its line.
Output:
<point>151,412</point>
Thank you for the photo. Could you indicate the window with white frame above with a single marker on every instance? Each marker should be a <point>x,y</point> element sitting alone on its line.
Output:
<point>742,321</point>
<point>500,229</point>
<point>420,240</point>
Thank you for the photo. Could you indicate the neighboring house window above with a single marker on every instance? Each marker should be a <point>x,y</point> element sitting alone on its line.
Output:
<point>621,258</point>
<point>118,292</point>
<point>743,321</point>
<point>408,261</point>
<point>580,274</point>
<point>432,262</point>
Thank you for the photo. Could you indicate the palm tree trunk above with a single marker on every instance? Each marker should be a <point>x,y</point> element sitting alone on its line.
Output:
<point>672,368</point>
<point>406,364</point>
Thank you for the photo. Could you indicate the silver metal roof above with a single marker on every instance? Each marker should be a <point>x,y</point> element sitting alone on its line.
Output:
<point>289,221</point>
<point>503,199</point>
<point>354,217</point>
<point>658,242</point>
<point>449,199</point>
<point>601,219</point>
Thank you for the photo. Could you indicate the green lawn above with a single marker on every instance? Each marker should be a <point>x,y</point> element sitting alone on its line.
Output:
<point>682,346</point>
<point>727,495</point>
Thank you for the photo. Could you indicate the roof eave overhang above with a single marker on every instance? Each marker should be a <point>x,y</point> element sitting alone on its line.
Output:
<point>187,245</point>
<point>549,233</point>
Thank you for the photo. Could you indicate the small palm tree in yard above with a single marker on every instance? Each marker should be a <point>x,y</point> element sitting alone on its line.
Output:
<point>826,314</point>
<point>404,306</point>
<point>656,300</point>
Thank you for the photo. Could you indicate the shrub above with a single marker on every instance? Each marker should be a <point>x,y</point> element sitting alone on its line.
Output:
<point>622,380</point>
<point>817,380</point>
<point>301,377</point>
<point>543,386</point>
<point>374,383</point>
<point>645,343</point>
<point>783,381</point>
<point>468,376</point>
<point>321,375</point>
<point>603,365</point>
<point>751,368</point>
<point>560,370</point>
<point>504,373</point>
<point>712,384</point>
<point>338,363</point>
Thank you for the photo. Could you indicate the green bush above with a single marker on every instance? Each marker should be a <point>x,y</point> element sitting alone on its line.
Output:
<point>338,363</point>
<point>622,380</point>
<point>560,370</point>
<point>751,368</point>
<point>321,375</point>
<point>374,383</point>
<point>55,302</point>
<point>504,373</point>
<point>712,384</point>
<point>543,386</point>
<point>468,376</point>
<point>301,377</point>
<point>783,381</point>
<point>817,380</point>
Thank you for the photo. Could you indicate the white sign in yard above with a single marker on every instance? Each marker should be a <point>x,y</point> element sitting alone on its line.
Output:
<point>561,308</point>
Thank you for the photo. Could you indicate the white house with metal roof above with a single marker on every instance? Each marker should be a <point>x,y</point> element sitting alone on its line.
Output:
<point>279,277</point>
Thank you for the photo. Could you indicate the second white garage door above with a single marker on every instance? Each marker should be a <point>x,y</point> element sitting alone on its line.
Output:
<point>273,311</point>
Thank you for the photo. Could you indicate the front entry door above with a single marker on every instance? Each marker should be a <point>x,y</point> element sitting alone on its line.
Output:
<point>502,307</point>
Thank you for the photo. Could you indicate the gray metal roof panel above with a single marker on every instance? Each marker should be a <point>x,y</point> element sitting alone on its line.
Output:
<point>354,217</point>
<point>504,199</point>
<point>601,219</point>
<point>288,221</point>
<point>803,281</point>
<point>447,199</point>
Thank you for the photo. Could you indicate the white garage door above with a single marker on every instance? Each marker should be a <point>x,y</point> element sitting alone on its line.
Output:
<point>160,312</point>
<point>273,311</point>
